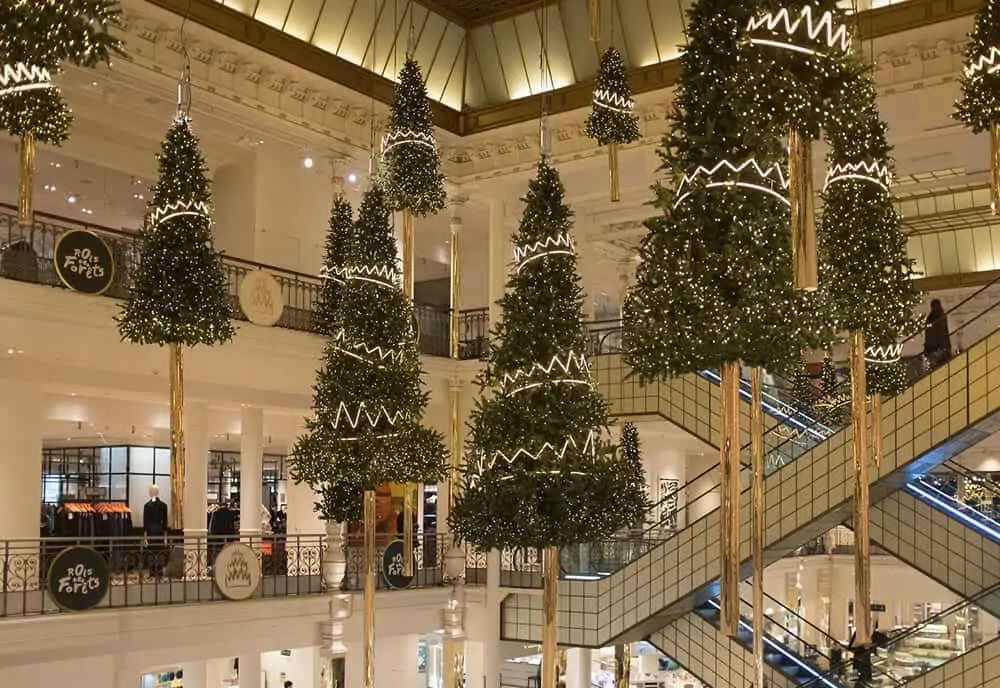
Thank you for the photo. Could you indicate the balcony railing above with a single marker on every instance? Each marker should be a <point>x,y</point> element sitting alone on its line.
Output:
<point>26,255</point>
<point>147,572</point>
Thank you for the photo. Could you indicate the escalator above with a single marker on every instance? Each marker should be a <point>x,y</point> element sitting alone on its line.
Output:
<point>798,653</point>
<point>940,415</point>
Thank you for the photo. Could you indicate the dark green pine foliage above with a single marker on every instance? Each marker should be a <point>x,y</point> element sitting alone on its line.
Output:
<point>540,471</point>
<point>339,243</point>
<point>887,379</point>
<point>979,106</point>
<point>714,281</point>
<point>179,293</point>
<point>43,34</point>
<point>833,406</point>
<point>368,403</point>
<point>411,164</point>
<point>789,88</point>
<point>803,390</point>
<point>630,453</point>
<point>865,272</point>
<point>611,119</point>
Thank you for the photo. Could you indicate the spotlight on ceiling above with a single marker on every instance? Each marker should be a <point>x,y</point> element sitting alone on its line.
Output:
<point>307,163</point>
<point>352,178</point>
<point>71,199</point>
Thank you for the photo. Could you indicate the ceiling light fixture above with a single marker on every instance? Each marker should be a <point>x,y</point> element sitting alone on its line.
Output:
<point>307,163</point>
<point>352,178</point>
<point>71,199</point>
<point>49,187</point>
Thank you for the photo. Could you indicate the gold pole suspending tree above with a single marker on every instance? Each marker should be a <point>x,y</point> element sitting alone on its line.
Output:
<point>979,106</point>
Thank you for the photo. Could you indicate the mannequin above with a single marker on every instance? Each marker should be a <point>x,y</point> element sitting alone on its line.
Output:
<point>154,514</point>
<point>154,525</point>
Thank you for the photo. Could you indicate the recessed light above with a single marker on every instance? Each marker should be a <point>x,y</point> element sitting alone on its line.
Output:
<point>14,352</point>
<point>49,187</point>
<point>307,163</point>
<point>93,83</point>
<point>55,164</point>
<point>87,211</point>
<point>138,197</point>
<point>71,199</point>
<point>351,178</point>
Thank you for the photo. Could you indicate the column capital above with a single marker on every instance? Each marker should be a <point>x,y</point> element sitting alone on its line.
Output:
<point>338,169</point>
<point>456,384</point>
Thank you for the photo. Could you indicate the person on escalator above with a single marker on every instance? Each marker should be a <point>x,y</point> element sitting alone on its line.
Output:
<point>836,661</point>
<point>862,662</point>
<point>937,339</point>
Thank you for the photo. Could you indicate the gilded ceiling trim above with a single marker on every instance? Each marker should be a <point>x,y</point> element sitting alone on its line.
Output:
<point>235,25</point>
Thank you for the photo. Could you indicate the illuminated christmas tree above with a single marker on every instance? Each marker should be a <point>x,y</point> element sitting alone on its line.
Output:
<point>179,295</point>
<point>540,471</point>
<point>411,165</point>
<point>979,106</point>
<point>368,403</point>
<point>612,121</point>
<point>37,38</point>
<point>339,244</point>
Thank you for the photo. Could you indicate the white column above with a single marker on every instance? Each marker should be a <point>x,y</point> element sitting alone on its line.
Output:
<point>354,666</point>
<point>491,630</point>
<point>195,674</point>
<point>196,447</point>
<point>251,470</point>
<point>250,670</point>
<point>578,668</point>
<point>20,459</point>
<point>218,672</point>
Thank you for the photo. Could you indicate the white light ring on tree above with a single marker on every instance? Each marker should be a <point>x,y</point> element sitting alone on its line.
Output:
<point>613,102</point>
<point>179,209</point>
<point>770,179</point>
<point>873,172</point>
<point>20,77</point>
<point>779,30</point>
<point>407,136</point>
<point>984,64</point>
<point>889,353</point>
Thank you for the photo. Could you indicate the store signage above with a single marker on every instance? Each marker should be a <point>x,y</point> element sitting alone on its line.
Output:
<point>237,571</point>
<point>78,579</point>
<point>83,262</point>
<point>877,607</point>
<point>260,298</point>
<point>392,566</point>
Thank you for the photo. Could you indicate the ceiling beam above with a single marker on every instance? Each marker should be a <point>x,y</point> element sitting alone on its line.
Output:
<point>285,47</point>
<point>877,23</point>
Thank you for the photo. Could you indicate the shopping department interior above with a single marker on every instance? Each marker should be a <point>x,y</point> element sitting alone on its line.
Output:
<point>229,575</point>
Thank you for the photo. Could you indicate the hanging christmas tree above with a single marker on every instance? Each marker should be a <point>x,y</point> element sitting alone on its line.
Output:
<point>796,70</point>
<point>714,283</point>
<point>37,38</point>
<point>612,122</point>
<point>803,390</point>
<point>179,296</point>
<point>833,403</point>
<point>411,165</point>
<point>368,403</point>
<point>979,106</point>
<point>541,472</point>
<point>339,244</point>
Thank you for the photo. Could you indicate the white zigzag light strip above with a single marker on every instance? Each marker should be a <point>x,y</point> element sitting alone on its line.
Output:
<point>363,415</point>
<point>572,360</point>
<point>987,64</point>
<point>884,354</point>
<point>21,77</point>
<point>384,275</point>
<point>590,445</point>
<point>773,173</point>
<point>558,245</point>
<point>361,350</point>
<point>177,209</point>
<point>873,172</point>
<point>612,101</point>
<point>403,136</point>
<point>773,21</point>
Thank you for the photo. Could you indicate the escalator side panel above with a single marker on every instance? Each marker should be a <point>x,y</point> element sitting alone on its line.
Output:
<point>978,668</point>
<point>958,557</point>
<point>717,661</point>
<point>937,418</point>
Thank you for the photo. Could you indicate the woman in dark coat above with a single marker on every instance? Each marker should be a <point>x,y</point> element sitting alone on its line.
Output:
<point>937,340</point>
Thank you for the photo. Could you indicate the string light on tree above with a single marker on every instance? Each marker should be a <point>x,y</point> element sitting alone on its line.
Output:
<point>979,106</point>
<point>612,121</point>
<point>541,471</point>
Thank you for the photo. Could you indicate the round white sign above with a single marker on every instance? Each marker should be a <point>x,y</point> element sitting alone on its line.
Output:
<point>260,298</point>
<point>237,571</point>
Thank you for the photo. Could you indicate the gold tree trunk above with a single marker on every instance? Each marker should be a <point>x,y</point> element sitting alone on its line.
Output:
<point>757,536</point>
<point>550,631</point>
<point>177,462</point>
<point>616,194</point>
<point>859,445</point>
<point>805,260</point>
<point>729,511</point>
<point>26,184</point>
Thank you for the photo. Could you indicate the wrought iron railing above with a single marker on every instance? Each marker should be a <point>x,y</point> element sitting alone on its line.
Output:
<point>144,572</point>
<point>26,255</point>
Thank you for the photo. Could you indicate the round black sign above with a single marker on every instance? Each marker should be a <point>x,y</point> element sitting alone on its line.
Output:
<point>84,262</point>
<point>392,566</point>
<point>79,579</point>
